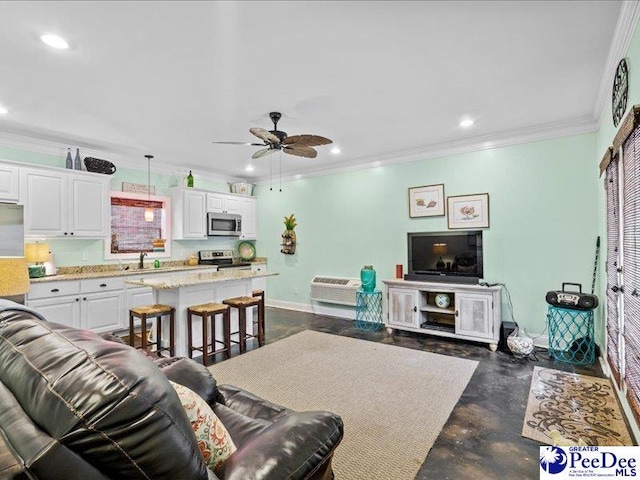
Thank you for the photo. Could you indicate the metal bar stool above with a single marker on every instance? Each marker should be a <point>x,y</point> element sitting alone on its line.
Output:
<point>209,311</point>
<point>156,311</point>
<point>242,303</point>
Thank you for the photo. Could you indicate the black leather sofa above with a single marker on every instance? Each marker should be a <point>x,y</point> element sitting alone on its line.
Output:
<point>77,406</point>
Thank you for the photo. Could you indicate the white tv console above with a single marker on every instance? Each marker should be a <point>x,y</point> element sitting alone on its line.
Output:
<point>473,314</point>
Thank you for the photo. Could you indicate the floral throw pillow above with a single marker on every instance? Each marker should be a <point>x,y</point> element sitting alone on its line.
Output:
<point>214,441</point>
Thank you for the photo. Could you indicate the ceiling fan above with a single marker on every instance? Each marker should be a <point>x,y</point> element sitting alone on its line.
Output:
<point>298,145</point>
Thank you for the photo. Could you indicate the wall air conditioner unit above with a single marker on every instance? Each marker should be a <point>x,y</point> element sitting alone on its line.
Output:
<point>335,290</point>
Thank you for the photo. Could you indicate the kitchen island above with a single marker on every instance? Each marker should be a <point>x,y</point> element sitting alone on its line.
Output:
<point>183,291</point>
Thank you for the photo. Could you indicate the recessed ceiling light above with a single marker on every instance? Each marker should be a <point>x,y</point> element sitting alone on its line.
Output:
<point>249,168</point>
<point>377,163</point>
<point>55,41</point>
<point>3,110</point>
<point>298,177</point>
<point>467,122</point>
<point>335,150</point>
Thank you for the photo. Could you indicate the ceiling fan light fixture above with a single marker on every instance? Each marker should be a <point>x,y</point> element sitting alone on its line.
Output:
<point>277,140</point>
<point>54,41</point>
<point>3,111</point>
<point>249,168</point>
<point>467,122</point>
<point>148,212</point>
<point>335,150</point>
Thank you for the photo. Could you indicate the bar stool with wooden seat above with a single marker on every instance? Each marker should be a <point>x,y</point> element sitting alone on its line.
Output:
<point>209,311</point>
<point>242,303</point>
<point>156,311</point>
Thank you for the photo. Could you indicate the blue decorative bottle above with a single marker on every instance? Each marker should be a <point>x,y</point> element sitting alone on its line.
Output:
<point>69,161</point>
<point>368,278</point>
<point>77,163</point>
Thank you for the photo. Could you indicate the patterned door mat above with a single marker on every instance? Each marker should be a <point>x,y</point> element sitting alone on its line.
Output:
<point>576,407</point>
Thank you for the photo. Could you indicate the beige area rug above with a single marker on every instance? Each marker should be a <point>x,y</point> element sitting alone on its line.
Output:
<point>576,406</point>
<point>394,401</point>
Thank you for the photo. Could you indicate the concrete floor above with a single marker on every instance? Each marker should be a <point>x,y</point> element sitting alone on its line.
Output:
<point>481,439</point>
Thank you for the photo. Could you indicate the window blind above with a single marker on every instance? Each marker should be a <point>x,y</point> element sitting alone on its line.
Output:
<point>631,269</point>
<point>612,262</point>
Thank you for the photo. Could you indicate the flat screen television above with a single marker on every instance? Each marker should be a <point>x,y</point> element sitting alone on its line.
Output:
<point>445,256</point>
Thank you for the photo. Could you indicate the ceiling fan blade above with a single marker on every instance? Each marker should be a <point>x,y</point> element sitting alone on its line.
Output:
<point>264,152</point>
<point>265,135</point>
<point>307,140</point>
<point>241,143</point>
<point>300,151</point>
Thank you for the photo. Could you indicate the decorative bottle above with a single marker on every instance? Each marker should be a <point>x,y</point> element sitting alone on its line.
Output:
<point>69,162</point>
<point>190,180</point>
<point>77,164</point>
<point>368,278</point>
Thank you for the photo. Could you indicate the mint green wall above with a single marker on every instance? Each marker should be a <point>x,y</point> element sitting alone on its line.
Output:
<point>606,130</point>
<point>606,133</point>
<point>71,251</point>
<point>542,227</point>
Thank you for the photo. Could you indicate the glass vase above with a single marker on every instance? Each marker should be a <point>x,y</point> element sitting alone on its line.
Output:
<point>520,343</point>
<point>368,278</point>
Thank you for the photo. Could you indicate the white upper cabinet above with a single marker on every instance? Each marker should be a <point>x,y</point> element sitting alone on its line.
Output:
<point>89,206</point>
<point>9,183</point>
<point>44,196</point>
<point>190,208</point>
<point>59,204</point>
<point>221,203</point>
<point>249,212</point>
<point>189,214</point>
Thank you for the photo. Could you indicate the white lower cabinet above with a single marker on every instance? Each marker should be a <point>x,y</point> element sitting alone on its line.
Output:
<point>96,304</point>
<point>259,283</point>
<point>102,312</point>
<point>136,297</point>
<point>64,310</point>
<point>470,312</point>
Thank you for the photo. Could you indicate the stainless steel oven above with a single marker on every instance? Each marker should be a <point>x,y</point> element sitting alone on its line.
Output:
<point>224,259</point>
<point>223,224</point>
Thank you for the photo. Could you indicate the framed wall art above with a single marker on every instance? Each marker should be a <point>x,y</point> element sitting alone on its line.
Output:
<point>468,211</point>
<point>426,201</point>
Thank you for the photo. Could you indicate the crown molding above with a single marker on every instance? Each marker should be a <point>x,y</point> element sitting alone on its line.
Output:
<point>536,133</point>
<point>622,36</point>
<point>115,154</point>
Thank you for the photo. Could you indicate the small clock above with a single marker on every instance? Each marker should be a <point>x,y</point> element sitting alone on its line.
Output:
<point>620,92</point>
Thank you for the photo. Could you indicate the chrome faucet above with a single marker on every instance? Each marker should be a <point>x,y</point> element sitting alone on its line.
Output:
<point>141,264</point>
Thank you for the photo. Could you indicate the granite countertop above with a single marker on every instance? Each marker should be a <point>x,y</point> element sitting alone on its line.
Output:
<point>191,279</point>
<point>113,270</point>
<point>82,275</point>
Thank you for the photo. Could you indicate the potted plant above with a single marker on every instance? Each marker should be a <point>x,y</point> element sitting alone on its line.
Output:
<point>289,236</point>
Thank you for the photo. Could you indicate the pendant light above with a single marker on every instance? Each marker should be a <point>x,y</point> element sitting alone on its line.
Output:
<point>148,212</point>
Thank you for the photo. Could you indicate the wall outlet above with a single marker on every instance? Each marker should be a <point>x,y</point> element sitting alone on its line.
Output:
<point>85,256</point>
<point>295,290</point>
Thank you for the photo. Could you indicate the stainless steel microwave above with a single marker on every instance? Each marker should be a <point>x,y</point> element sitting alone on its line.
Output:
<point>223,224</point>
